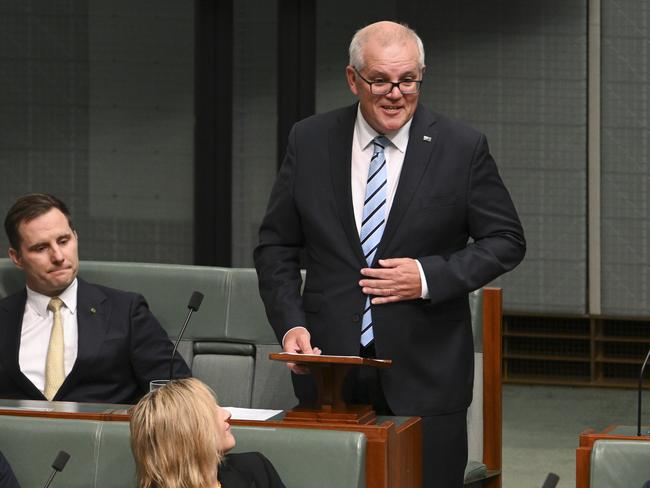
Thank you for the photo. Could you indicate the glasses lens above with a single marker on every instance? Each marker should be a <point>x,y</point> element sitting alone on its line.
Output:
<point>379,88</point>
<point>406,87</point>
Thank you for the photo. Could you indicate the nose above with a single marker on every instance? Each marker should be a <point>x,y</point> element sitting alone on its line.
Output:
<point>226,413</point>
<point>56,254</point>
<point>395,92</point>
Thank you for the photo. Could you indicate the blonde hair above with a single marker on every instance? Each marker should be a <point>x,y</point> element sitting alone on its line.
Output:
<point>176,437</point>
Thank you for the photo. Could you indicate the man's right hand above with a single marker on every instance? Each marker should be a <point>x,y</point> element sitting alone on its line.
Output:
<point>298,340</point>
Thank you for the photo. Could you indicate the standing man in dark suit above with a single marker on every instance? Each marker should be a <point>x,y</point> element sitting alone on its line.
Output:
<point>401,213</point>
<point>62,338</point>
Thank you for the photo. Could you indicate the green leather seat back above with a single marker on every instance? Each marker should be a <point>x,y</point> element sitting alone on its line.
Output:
<point>31,444</point>
<point>309,458</point>
<point>101,453</point>
<point>619,464</point>
<point>115,464</point>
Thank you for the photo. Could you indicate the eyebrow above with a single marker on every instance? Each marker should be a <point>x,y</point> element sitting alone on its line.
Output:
<point>45,243</point>
<point>407,74</point>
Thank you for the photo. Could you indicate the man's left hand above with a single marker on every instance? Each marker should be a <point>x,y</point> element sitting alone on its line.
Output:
<point>398,279</point>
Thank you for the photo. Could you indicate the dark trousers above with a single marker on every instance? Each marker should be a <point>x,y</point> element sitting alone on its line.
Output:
<point>444,437</point>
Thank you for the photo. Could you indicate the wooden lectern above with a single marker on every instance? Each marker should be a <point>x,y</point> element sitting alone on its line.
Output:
<point>394,444</point>
<point>329,373</point>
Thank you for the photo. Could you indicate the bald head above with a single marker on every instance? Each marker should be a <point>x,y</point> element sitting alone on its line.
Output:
<point>384,33</point>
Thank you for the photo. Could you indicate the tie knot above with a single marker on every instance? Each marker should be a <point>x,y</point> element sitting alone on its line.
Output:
<point>55,304</point>
<point>380,143</point>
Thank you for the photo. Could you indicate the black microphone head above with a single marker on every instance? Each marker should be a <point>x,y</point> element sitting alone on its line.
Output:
<point>551,481</point>
<point>195,300</point>
<point>61,460</point>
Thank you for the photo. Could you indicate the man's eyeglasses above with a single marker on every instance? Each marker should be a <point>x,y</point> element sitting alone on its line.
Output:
<point>407,87</point>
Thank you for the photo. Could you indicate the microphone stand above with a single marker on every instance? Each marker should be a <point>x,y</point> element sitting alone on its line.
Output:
<point>171,364</point>
<point>638,422</point>
<point>195,303</point>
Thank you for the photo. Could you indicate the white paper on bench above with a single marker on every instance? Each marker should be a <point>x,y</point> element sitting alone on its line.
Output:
<point>239,413</point>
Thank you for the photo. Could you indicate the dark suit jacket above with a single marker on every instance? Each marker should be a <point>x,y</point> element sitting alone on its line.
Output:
<point>449,191</point>
<point>7,477</point>
<point>121,348</point>
<point>248,470</point>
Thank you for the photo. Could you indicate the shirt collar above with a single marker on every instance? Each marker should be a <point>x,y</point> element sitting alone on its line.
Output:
<point>39,302</point>
<point>365,133</point>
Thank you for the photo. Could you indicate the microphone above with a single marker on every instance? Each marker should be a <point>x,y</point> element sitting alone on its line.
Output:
<point>193,306</point>
<point>551,480</point>
<point>58,465</point>
<point>638,412</point>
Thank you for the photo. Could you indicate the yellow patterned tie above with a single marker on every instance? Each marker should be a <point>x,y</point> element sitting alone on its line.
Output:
<point>54,369</point>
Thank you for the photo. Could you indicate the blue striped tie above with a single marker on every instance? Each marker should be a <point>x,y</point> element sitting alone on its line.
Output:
<point>374,221</point>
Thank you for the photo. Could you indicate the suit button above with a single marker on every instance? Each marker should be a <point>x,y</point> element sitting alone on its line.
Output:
<point>356,317</point>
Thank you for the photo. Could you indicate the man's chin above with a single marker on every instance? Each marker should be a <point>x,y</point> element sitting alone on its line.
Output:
<point>60,281</point>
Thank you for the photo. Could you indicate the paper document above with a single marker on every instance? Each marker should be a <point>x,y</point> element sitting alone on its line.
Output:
<point>239,413</point>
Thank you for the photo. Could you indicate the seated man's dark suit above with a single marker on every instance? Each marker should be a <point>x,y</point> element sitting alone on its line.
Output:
<point>121,347</point>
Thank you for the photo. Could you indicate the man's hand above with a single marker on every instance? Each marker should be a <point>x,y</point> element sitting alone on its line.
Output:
<point>298,340</point>
<point>398,279</point>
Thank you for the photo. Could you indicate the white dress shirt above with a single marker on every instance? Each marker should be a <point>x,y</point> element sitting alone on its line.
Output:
<point>362,149</point>
<point>36,330</point>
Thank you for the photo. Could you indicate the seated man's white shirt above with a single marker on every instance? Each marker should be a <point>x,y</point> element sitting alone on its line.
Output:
<point>36,330</point>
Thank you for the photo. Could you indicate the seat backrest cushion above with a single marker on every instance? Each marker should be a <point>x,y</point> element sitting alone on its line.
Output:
<point>619,464</point>
<point>309,458</point>
<point>30,444</point>
<point>115,464</point>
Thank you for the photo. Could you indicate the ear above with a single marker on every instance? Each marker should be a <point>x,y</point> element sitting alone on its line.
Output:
<point>15,258</point>
<point>351,76</point>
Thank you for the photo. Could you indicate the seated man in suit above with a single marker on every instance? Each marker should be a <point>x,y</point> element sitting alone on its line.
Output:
<point>7,477</point>
<point>64,339</point>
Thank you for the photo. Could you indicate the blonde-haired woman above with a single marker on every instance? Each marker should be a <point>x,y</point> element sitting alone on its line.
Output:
<point>179,437</point>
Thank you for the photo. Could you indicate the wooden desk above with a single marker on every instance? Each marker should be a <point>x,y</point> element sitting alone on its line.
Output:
<point>586,444</point>
<point>393,445</point>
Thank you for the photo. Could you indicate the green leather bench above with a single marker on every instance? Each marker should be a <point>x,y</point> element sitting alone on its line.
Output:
<point>619,464</point>
<point>228,340</point>
<point>101,454</point>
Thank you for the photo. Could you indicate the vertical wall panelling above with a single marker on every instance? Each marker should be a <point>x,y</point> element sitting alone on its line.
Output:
<point>625,158</point>
<point>97,109</point>
<point>593,152</point>
<point>213,107</point>
<point>296,69</point>
<point>254,124</point>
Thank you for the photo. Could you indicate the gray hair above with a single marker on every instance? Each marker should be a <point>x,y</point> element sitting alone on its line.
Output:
<point>400,33</point>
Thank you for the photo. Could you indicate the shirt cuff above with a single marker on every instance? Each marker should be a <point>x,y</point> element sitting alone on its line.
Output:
<point>423,282</point>
<point>292,328</point>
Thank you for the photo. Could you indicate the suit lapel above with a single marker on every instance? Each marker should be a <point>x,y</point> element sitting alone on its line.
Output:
<point>422,140</point>
<point>11,323</point>
<point>340,150</point>
<point>92,325</point>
